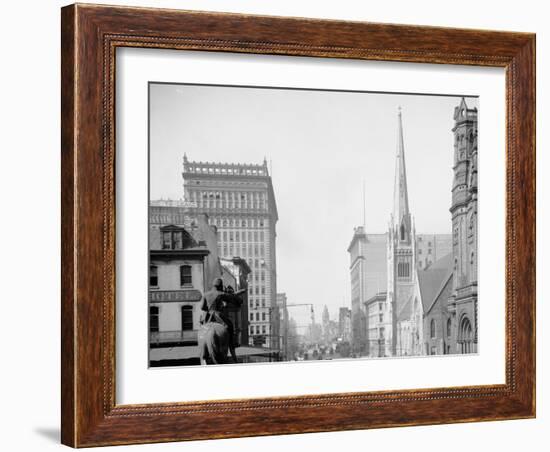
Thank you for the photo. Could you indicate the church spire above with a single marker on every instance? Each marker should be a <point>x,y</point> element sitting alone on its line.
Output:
<point>400,195</point>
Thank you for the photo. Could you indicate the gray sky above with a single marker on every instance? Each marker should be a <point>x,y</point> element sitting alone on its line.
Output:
<point>322,146</point>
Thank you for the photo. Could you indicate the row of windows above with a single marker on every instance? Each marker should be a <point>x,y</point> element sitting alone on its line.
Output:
<point>253,249</point>
<point>245,236</point>
<point>186,275</point>
<point>257,317</point>
<point>257,290</point>
<point>256,303</point>
<point>173,218</point>
<point>258,328</point>
<point>403,269</point>
<point>449,328</point>
<point>186,318</point>
<point>229,199</point>
<point>236,223</point>
<point>172,240</point>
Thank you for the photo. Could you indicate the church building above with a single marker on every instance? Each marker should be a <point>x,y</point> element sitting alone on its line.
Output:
<point>403,317</point>
<point>463,302</point>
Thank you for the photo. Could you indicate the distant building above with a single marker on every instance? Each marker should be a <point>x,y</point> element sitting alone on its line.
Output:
<point>240,201</point>
<point>326,324</point>
<point>376,311</point>
<point>368,270</point>
<point>283,325</point>
<point>344,324</point>
<point>431,247</point>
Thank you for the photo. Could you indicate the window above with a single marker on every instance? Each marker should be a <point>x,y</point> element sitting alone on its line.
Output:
<point>432,330</point>
<point>166,240</point>
<point>153,276</point>
<point>186,278</point>
<point>466,336</point>
<point>153,319</point>
<point>403,269</point>
<point>449,327</point>
<point>172,240</point>
<point>263,329</point>
<point>381,317</point>
<point>257,317</point>
<point>402,232</point>
<point>186,318</point>
<point>263,316</point>
<point>251,317</point>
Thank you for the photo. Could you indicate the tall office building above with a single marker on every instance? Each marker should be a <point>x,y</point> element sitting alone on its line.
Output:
<point>368,274</point>
<point>239,200</point>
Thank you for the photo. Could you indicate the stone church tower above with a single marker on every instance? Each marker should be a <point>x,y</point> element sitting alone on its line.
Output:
<point>463,302</point>
<point>401,251</point>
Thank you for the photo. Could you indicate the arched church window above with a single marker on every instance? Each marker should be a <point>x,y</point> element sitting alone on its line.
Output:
<point>449,327</point>
<point>402,232</point>
<point>432,329</point>
<point>466,337</point>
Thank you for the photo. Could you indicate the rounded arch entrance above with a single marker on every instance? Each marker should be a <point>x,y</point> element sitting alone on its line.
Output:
<point>466,335</point>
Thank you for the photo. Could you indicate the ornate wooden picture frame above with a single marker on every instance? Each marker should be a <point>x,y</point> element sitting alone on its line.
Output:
<point>90,37</point>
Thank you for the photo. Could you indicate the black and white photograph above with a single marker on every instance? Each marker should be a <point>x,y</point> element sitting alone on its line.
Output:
<point>297,224</point>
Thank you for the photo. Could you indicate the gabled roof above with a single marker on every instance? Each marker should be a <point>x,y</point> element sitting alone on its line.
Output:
<point>433,279</point>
